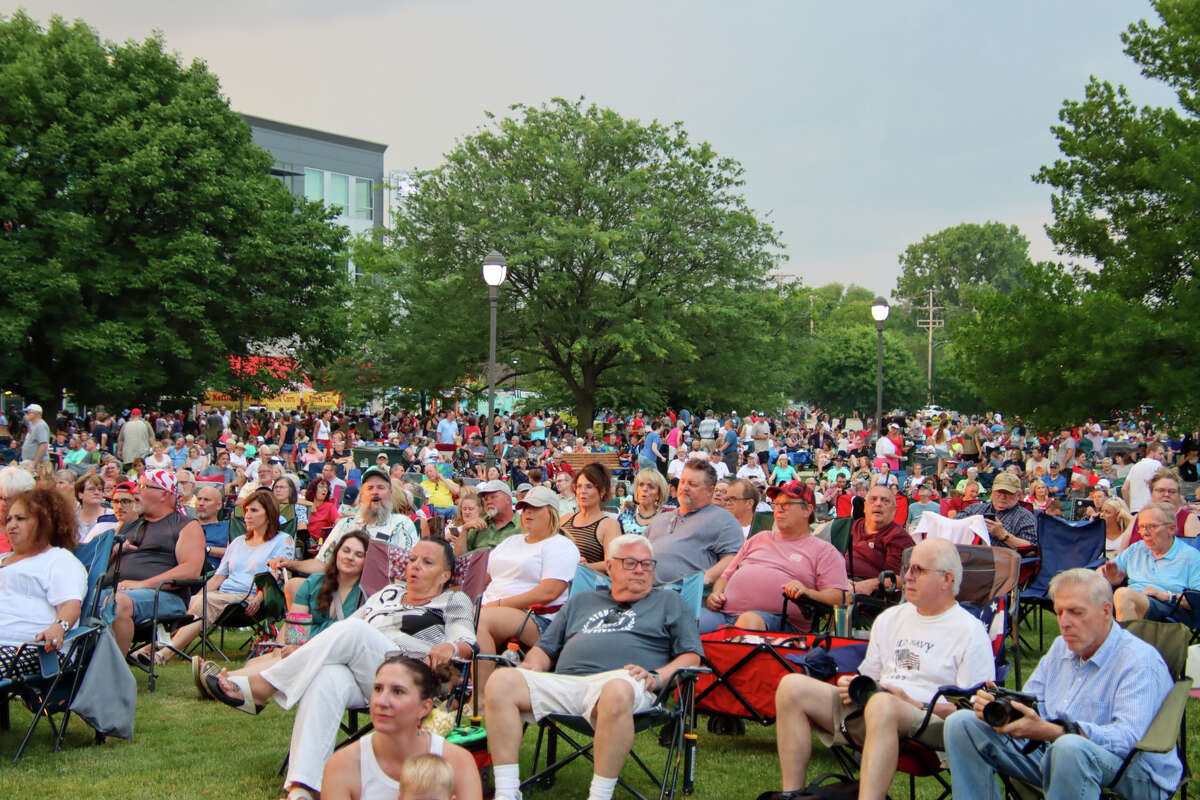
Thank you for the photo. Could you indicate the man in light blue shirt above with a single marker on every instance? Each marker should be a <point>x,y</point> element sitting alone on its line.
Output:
<point>1098,689</point>
<point>1158,567</point>
<point>447,429</point>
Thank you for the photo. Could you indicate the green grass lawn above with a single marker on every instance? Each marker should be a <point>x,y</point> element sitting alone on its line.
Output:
<point>188,748</point>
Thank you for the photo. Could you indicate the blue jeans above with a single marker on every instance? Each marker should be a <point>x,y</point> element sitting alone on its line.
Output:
<point>169,605</point>
<point>1070,768</point>
<point>445,513</point>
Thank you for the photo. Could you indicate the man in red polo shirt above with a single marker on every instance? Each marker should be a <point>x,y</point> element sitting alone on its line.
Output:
<point>877,542</point>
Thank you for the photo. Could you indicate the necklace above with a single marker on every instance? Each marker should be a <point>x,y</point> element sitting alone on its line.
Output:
<point>646,517</point>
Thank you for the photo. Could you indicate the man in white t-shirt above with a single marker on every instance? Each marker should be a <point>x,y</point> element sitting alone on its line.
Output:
<point>718,464</point>
<point>752,470</point>
<point>915,647</point>
<point>675,468</point>
<point>1136,489</point>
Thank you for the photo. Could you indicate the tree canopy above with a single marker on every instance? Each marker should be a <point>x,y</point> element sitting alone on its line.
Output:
<point>960,264</point>
<point>142,238</point>
<point>634,265</point>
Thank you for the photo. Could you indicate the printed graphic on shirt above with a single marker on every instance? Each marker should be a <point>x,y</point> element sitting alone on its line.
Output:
<point>614,620</point>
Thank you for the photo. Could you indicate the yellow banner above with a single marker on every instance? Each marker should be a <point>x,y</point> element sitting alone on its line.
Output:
<point>322,400</point>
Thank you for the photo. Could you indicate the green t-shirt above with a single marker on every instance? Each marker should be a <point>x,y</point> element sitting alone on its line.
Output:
<point>306,595</point>
<point>490,536</point>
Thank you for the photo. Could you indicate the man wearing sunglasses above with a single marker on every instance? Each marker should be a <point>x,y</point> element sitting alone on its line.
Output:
<point>915,647</point>
<point>610,650</point>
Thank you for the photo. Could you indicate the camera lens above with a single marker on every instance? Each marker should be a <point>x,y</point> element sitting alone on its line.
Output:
<point>999,713</point>
<point>861,689</point>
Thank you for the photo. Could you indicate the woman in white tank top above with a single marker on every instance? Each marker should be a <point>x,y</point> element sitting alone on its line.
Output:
<point>370,768</point>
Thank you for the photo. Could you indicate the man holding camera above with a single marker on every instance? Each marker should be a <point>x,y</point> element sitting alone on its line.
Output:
<point>1097,689</point>
<point>915,647</point>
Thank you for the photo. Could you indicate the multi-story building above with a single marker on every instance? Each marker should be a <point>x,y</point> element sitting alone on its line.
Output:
<point>340,171</point>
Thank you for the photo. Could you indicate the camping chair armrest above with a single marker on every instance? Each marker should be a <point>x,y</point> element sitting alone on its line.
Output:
<point>495,658</point>
<point>1164,729</point>
<point>944,692</point>
<point>678,679</point>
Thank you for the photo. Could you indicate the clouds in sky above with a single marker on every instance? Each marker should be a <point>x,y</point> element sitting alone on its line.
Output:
<point>862,126</point>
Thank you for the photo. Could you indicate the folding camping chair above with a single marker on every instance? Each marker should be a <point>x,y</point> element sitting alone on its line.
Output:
<point>989,590</point>
<point>746,666</point>
<point>676,721</point>
<point>53,688</point>
<point>1167,731</point>
<point>262,623</point>
<point>1063,545</point>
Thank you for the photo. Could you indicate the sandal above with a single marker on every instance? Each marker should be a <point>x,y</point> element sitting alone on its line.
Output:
<point>243,703</point>
<point>201,669</point>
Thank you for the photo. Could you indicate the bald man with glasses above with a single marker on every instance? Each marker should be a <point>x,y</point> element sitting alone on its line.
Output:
<point>604,657</point>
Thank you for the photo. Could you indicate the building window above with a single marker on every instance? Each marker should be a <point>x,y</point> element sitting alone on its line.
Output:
<point>362,199</point>
<point>314,185</point>
<point>339,193</point>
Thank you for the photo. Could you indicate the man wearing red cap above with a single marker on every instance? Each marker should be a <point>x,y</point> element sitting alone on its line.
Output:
<point>136,439</point>
<point>161,545</point>
<point>787,558</point>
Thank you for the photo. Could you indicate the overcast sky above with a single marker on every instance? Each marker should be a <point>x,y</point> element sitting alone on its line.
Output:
<point>862,126</point>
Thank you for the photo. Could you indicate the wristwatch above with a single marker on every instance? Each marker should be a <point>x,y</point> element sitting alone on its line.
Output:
<point>62,623</point>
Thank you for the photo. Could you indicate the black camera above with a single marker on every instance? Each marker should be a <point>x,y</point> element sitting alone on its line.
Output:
<point>861,688</point>
<point>1000,711</point>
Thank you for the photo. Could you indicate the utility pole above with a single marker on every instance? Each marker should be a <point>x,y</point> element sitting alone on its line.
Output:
<point>929,323</point>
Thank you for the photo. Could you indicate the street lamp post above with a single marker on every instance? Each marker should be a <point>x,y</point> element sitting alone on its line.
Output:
<point>495,269</point>
<point>879,310</point>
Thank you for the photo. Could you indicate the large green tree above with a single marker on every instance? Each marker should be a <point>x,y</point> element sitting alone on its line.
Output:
<point>633,261</point>
<point>961,264</point>
<point>143,239</point>
<point>1125,197</point>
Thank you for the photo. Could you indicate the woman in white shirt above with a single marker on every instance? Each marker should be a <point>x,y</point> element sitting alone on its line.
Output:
<point>529,574</point>
<point>42,584</point>
<point>159,458</point>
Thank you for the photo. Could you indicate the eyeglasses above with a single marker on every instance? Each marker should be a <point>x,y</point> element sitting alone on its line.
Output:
<point>917,570</point>
<point>630,564</point>
<point>782,506</point>
<point>124,502</point>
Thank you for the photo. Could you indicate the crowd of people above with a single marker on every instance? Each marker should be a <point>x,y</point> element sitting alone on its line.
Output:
<point>731,510</point>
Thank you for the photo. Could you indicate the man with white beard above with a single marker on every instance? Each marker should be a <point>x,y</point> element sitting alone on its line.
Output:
<point>374,515</point>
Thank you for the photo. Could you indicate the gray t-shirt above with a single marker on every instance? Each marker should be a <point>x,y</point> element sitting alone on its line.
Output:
<point>687,543</point>
<point>38,434</point>
<point>594,633</point>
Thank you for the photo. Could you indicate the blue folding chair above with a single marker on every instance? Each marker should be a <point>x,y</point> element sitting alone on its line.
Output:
<point>1064,545</point>
<point>52,689</point>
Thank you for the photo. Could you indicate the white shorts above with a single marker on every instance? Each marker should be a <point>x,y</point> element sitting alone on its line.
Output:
<point>577,694</point>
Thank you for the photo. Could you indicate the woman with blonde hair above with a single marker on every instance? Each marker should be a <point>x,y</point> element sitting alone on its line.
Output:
<point>528,577</point>
<point>1118,525</point>
<point>1039,495</point>
<point>649,494</point>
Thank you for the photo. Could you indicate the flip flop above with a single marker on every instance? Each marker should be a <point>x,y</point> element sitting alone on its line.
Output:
<point>201,669</point>
<point>244,703</point>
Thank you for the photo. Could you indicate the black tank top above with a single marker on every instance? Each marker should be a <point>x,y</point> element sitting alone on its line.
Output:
<point>156,548</point>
